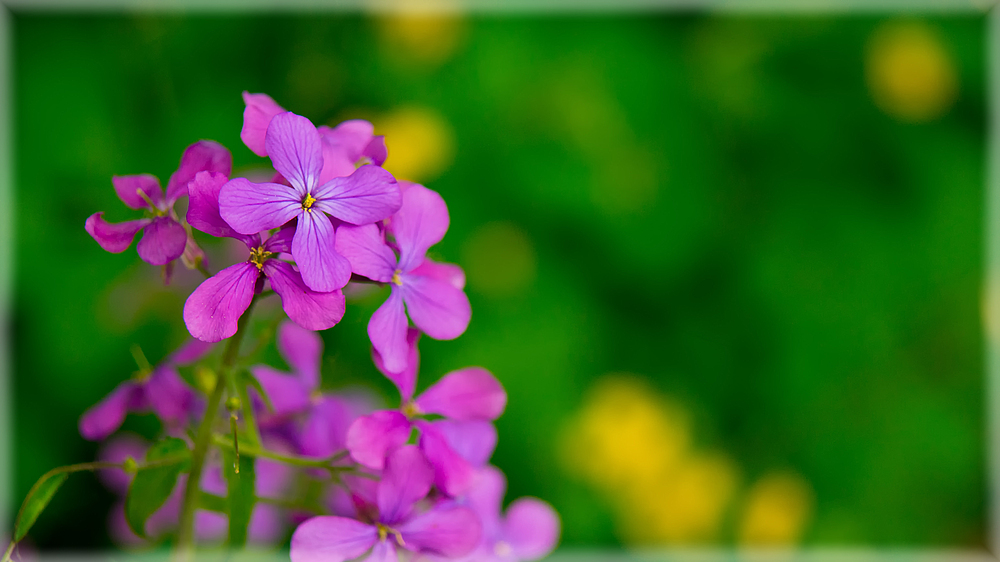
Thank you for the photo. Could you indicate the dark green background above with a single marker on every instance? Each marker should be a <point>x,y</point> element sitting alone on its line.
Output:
<point>807,279</point>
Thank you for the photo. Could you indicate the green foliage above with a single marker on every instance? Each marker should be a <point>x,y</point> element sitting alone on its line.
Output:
<point>152,486</point>
<point>35,503</point>
<point>240,489</point>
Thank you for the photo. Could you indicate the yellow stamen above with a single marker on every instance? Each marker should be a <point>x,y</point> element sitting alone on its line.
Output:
<point>396,279</point>
<point>410,409</point>
<point>259,255</point>
<point>307,203</point>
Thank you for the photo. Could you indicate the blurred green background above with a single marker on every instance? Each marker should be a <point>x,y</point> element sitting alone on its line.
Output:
<point>769,228</point>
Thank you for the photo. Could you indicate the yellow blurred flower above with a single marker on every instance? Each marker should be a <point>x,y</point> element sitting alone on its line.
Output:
<point>624,435</point>
<point>777,509</point>
<point>426,38</point>
<point>909,72</point>
<point>421,143</point>
<point>499,259</point>
<point>683,506</point>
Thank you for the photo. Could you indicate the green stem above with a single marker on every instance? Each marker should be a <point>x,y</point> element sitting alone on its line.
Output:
<point>293,460</point>
<point>10,550</point>
<point>203,438</point>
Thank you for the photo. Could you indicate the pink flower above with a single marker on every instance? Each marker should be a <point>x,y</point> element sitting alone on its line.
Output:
<point>164,238</point>
<point>431,293</point>
<point>213,310</point>
<point>367,195</point>
<point>444,529</point>
<point>469,399</point>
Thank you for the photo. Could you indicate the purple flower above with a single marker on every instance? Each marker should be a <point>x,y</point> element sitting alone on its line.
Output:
<point>468,399</point>
<point>431,292</point>
<point>163,391</point>
<point>346,147</point>
<point>444,529</point>
<point>212,311</point>
<point>164,238</point>
<point>368,195</point>
<point>528,531</point>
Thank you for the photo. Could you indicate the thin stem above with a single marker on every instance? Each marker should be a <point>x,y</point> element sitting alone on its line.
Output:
<point>203,438</point>
<point>293,460</point>
<point>10,551</point>
<point>204,270</point>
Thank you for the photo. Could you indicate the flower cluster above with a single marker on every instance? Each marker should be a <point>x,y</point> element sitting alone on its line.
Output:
<point>350,478</point>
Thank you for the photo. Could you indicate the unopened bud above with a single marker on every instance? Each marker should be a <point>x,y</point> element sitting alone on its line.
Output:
<point>130,466</point>
<point>233,404</point>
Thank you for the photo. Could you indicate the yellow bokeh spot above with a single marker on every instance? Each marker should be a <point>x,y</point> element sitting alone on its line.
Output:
<point>500,259</point>
<point>910,74</point>
<point>777,509</point>
<point>683,506</point>
<point>424,38</point>
<point>624,436</point>
<point>421,143</point>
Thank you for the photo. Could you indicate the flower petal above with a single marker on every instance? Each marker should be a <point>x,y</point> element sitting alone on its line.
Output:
<point>113,237</point>
<point>191,351</point>
<point>368,195</point>
<point>376,150</point>
<point>281,241</point>
<point>349,137</point>
<point>420,223</point>
<point>531,528</point>
<point>325,430</point>
<point>251,208</point>
<point>302,349</point>
<point>213,310</point>
<point>439,309</point>
<point>309,309</point>
<point>472,393</point>
<point>384,551</point>
<point>405,380</point>
<point>446,530</point>
<point>202,156</point>
<point>474,441</point>
<point>163,241</point>
<point>287,393</point>
<point>370,438</point>
<point>365,248</point>
<point>452,473</point>
<point>256,117</point>
<point>407,479</point>
<point>313,248</point>
<point>203,205</point>
<point>387,331</point>
<point>128,188</point>
<point>485,497</point>
<point>332,539</point>
<point>447,272</point>
<point>105,417</point>
<point>296,152</point>
<point>170,397</point>
<point>267,524</point>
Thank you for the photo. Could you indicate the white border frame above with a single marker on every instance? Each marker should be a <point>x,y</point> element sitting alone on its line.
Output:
<point>991,290</point>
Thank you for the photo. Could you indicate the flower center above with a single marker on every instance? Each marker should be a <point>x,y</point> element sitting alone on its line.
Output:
<point>384,532</point>
<point>410,410</point>
<point>307,203</point>
<point>259,255</point>
<point>363,161</point>
<point>396,280</point>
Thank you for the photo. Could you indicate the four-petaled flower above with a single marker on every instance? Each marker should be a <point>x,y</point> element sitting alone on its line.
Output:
<point>213,310</point>
<point>431,292</point>
<point>443,529</point>
<point>164,238</point>
<point>468,398</point>
<point>368,195</point>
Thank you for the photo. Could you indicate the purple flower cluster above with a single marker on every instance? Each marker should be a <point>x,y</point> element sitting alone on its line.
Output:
<point>414,478</point>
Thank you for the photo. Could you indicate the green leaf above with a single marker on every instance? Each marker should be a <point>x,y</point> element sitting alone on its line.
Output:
<point>152,486</point>
<point>248,378</point>
<point>39,497</point>
<point>240,488</point>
